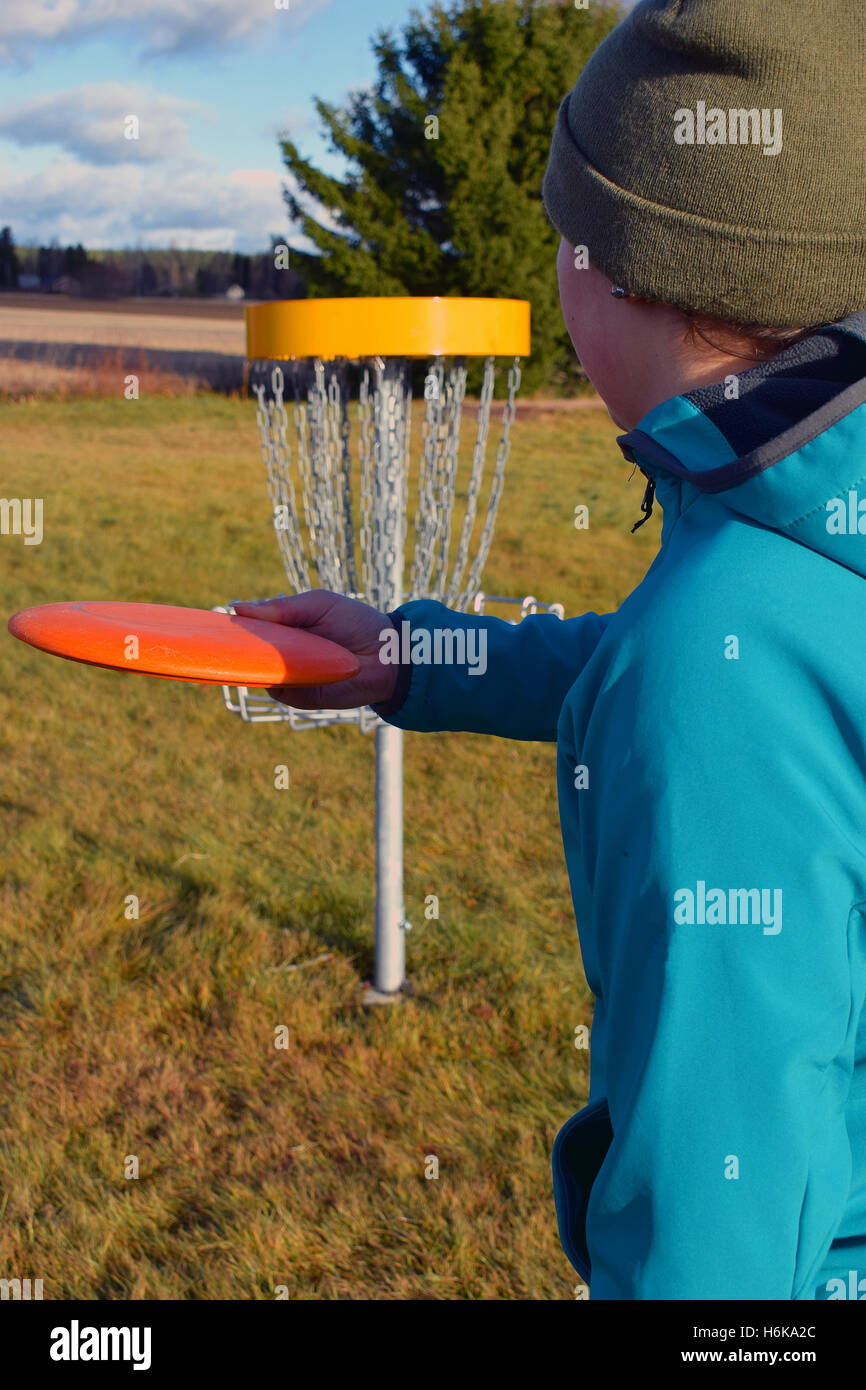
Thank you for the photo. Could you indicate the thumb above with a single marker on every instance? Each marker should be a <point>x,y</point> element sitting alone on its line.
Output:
<point>294,610</point>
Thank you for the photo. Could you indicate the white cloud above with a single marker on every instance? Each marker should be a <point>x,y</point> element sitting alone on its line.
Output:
<point>191,203</point>
<point>91,122</point>
<point>154,26</point>
<point>104,190</point>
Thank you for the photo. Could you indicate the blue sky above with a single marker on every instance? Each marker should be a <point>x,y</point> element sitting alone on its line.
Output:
<point>211,82</point>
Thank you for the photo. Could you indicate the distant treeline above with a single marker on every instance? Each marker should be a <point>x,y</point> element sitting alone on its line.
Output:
<point>117,274</point>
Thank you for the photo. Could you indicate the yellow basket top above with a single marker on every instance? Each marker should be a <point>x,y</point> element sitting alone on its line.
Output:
<point>387,326</point>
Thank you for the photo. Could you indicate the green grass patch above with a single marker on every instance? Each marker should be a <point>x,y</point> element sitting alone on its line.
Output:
<point>154,1037</point>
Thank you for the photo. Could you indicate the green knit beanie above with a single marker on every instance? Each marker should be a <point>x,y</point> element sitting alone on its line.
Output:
<point>713,156</point>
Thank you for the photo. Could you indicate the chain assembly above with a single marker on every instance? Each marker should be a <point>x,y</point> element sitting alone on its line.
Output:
<point>352,532</point>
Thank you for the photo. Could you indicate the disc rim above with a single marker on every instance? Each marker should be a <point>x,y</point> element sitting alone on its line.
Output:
<point>226,649</point>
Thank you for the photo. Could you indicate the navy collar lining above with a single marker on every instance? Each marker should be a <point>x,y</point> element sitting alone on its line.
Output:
<point>740,470</point>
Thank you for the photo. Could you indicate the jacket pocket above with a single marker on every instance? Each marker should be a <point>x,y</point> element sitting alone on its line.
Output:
<point>579,1150</point>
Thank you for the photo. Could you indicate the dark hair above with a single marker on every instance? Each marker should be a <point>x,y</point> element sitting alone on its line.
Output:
<point>742,339</point>
<point>756,340</point>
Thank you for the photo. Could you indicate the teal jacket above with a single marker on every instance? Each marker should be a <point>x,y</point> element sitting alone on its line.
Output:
<point>711,754</point>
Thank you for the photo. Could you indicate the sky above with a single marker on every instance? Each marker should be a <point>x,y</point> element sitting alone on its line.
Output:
<point>211,83</point>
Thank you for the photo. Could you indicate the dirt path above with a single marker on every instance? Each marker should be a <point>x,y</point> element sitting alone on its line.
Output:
<point>180,333</point>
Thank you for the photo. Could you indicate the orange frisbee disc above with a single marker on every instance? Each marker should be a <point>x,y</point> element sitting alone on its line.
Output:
<point>187,644</point>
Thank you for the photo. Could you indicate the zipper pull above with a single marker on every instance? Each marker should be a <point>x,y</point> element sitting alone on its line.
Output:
<point>646,505</point>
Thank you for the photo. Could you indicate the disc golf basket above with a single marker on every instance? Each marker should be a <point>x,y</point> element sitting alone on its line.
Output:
<point>342,524</point>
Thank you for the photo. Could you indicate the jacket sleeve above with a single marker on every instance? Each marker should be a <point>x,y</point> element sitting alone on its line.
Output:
<point>726,1024</point>
<point>518,689</point>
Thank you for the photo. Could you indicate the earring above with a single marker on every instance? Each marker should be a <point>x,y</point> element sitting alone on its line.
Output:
<point>618,292</point>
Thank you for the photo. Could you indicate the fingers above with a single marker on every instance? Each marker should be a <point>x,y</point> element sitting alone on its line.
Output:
<point>294,610</point>
<point>314,697</point>
<point>298,696</point>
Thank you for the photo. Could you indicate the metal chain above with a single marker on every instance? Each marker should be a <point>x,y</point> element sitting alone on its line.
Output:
<point>508,411</point>
<point>380,438</point>
<point>322,475</point>
<point>447,480</point>
<point>478,455</point>
<point>365,454</point>
<point>337,557</point>
<point>304,466</point>
<point>388,481</point>
<point>346,466</point>
<point>425,515</point>
<point>405,466</point>
<point>272,421</point>
<point>324,466</point>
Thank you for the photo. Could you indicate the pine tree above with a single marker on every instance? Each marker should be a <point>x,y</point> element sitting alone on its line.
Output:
<point>455,209</point>
<point>8,261</point>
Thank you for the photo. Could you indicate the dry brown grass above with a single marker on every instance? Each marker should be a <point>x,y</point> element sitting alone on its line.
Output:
<point>23,380</point>
<point>84,349</point>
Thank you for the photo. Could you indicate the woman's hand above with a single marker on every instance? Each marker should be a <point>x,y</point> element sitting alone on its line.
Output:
<point>346,621</point>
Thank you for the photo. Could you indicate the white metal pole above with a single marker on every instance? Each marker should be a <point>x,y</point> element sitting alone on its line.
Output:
<point>389,958</point>
<point>390,947</point>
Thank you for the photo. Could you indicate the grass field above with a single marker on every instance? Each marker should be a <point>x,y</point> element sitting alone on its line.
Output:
<point>155,1038</point>
<point>64,347</point>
